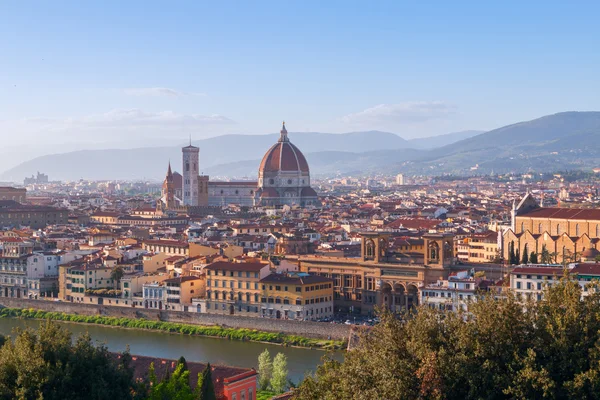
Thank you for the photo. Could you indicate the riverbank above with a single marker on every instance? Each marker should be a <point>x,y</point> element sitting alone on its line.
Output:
<point>239,334</point>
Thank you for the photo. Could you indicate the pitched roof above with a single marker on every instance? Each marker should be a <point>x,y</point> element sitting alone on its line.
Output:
<point>563,213</point>
<point>230,266</point>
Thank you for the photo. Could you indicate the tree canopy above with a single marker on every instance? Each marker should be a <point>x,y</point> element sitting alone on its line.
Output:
<point>47,364</point>
<point>501,349</point>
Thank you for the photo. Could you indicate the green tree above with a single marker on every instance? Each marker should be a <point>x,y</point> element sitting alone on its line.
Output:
<point>2,340</point>
<point>116,275</point>
<point>279,379</point>
<point>183,362</point>
<point>47,364</point>
<point>546,257</point>
<point>533,258</point>
<point>175,386</point>
<point>207,386</point>
<point>517,256</point>
<point>265,370</point>
<point>501,349</point>
<point>512,256</point>
<point>525,259</point>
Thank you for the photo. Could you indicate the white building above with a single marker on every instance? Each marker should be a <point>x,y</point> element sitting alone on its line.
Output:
<point>529,281</point>
<point>451,295</point>
<point>191,159</point>
<point>399,179</point>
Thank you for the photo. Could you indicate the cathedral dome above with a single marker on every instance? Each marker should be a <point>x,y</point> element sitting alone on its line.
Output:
<point>283,156</point>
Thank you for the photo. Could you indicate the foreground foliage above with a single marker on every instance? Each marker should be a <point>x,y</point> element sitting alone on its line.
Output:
<point>186,329</point>
<point>504,349</point>
<point>47,365</point>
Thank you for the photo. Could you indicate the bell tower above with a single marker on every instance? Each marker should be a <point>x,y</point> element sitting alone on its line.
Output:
<point>168,190</point>
<point>439,249</point>
<point>374,246</point>
<point>191,158</point>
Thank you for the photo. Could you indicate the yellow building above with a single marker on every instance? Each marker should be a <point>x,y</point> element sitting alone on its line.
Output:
<point>79,276</point>
<point>296,296</point>
<point>181,291</point>
<point>478,248</point>
<point>233,288</point>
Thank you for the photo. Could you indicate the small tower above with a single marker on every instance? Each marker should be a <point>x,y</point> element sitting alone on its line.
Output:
<point>168,190</point>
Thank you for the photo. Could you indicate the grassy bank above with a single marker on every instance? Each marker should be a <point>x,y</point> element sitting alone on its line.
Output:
<point>185,329</point>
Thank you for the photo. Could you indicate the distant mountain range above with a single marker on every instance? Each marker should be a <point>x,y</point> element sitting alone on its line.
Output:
<point>567,140</point>
<point>227,155</point>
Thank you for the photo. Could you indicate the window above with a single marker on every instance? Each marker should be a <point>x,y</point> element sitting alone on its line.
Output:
<point>518,285</point>
<point>577,233</point>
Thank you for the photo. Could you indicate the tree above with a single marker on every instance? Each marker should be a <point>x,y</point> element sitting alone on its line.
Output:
<point>502,349</point>
<point>175,386</point>
<point>512,255</point>
<point>2,340</point>
<point>265,370</point>
<point>116,275</point>
<point>207,387</point>
<point>517,256</point>
<point>47,364</point>
<point>525,259</point>
<point>546,257</point>
<point>183,362</point>
<point>533,258</point>
<point>279,379</point>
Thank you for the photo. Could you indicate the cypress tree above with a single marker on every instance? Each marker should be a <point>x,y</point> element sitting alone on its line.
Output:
<point>207,391</point>
<point>525,259</point>
<point>533,258</point>
<point>512,255</point>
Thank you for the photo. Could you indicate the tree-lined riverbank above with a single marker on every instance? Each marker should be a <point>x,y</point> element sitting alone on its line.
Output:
<point>239,334</point>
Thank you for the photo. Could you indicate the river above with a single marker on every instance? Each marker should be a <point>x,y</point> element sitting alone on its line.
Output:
<point>193,348</point>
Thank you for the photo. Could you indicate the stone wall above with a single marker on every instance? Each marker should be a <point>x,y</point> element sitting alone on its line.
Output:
<point>320,330</point>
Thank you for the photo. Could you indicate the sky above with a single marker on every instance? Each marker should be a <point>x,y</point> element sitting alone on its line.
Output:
<point>146,73</point>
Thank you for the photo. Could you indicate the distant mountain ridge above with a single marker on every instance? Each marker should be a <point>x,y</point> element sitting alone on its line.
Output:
<point>567,140</point>
<point>241,153</point>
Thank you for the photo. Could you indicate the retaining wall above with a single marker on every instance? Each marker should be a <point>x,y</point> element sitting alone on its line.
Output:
<point>320,330</point>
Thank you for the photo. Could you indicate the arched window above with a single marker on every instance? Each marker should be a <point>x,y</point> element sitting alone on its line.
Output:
<point>558,229</point>
<point>540,227</point>
<point>597,230</point>
<point>522,227</point>
<point>577,233</point>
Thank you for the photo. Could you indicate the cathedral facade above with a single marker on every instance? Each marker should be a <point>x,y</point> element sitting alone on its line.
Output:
<point>283,179</point>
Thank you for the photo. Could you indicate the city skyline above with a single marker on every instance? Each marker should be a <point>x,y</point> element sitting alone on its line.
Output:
<point>115,73</point>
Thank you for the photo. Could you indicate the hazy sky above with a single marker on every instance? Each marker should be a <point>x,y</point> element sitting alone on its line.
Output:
<point>139,71</point>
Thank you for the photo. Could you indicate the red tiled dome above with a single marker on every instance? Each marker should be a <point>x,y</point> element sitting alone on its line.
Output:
<point>283,156</point>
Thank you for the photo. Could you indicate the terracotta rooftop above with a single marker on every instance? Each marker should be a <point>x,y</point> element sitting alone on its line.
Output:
<point>563,213</point>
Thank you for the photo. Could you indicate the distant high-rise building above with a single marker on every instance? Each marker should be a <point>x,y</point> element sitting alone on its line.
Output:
<point>400,179</point>
<point>191,159</point>
<point>39,179</point>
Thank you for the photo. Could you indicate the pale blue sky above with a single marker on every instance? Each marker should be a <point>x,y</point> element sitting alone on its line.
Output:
<point>140,71</point>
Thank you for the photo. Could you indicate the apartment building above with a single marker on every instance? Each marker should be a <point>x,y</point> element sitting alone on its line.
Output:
<point>233,288</point>
<point>296,296</point>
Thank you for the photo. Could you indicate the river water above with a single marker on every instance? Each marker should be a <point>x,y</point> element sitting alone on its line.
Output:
<point>193,348</point>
